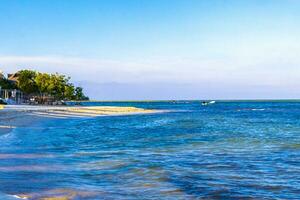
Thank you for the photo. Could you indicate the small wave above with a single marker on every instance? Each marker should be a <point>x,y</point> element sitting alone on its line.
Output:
<point>155,123</point>
<point>251,109</point>
<point>9,197</point>
<point>258,109</point>
<point>18,197</point>
<point>3,126</point>
<point>7,134</point>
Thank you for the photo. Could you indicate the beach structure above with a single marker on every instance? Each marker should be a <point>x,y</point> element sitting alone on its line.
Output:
<point>12,96</point>
<point>13,77</point>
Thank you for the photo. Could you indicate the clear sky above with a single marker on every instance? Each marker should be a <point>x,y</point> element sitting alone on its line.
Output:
<point>158,49</point>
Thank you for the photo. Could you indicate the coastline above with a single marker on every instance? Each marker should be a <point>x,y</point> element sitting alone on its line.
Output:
<point>10,119</point>
<point>12,116</point>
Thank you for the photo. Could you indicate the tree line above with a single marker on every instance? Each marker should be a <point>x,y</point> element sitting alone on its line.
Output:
<point>39,84</point>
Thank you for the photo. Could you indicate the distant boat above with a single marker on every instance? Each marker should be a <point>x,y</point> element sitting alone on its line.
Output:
<point>204,103</point>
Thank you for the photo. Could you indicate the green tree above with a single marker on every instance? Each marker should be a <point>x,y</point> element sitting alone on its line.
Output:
<point>57,85</point>
<point>69,92</point>
<point>26,81</point>
<point>79,95</point>
<point>6,84</point>
<point>43,84</point>
<point>42,81</point>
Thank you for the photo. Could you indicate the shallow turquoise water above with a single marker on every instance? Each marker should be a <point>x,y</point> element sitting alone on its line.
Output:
<point>229,150</point>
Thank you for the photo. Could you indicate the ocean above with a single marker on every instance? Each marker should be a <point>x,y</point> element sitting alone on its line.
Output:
<point>227,150</point>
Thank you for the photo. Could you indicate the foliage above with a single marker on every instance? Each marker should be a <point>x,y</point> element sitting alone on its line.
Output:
<point>26,81</point>
<point>6,84</point>
<point>79,95</point>
<point>43,84</point>
<point>42,81</point>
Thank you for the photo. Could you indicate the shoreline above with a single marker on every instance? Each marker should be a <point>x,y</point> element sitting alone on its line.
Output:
<point>13,116</point>
<point>11,119</point>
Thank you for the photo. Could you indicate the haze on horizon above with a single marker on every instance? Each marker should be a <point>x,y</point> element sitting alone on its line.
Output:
<point>158,49</point>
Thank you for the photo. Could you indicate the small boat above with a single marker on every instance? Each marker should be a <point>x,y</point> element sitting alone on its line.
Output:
<point>204,103</point>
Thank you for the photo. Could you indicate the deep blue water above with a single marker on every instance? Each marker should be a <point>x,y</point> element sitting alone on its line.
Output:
<point>228,150</point>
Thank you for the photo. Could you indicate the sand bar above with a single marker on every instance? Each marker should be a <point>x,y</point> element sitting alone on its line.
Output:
<point>84,111</point>
<point>12,116</point>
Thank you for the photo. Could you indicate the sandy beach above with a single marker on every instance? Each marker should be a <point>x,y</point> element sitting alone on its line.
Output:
<point>12,116</point>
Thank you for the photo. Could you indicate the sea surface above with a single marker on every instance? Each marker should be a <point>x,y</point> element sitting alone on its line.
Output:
<point>227,150</point>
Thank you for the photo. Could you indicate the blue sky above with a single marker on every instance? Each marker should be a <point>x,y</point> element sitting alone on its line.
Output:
<point>158,49</point>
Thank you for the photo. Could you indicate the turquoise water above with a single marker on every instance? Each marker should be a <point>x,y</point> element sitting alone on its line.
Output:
<point>228,150</point>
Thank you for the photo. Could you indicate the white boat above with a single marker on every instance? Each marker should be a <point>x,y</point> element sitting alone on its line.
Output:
<point>204,103</point>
